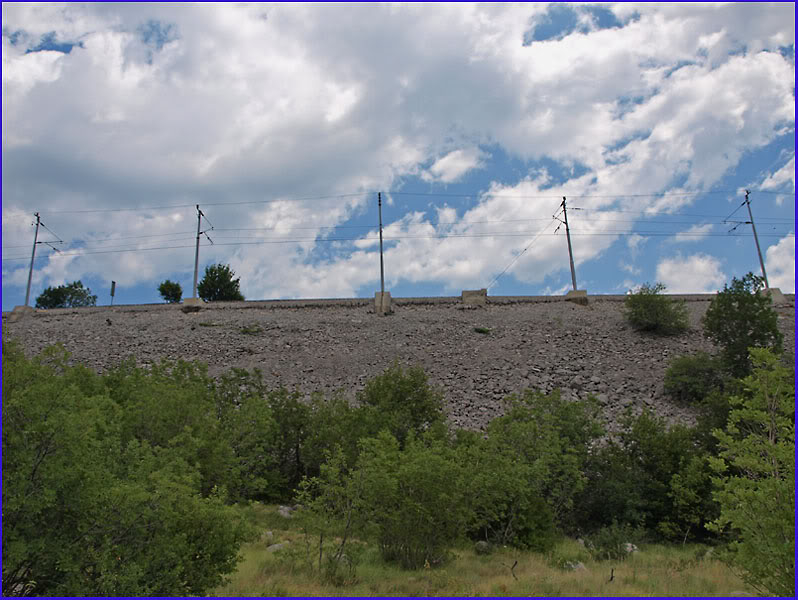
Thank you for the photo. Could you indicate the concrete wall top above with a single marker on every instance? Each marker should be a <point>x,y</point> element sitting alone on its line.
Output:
<point>359,302</point>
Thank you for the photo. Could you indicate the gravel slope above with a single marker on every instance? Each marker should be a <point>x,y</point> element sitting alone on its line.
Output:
<point>541,345</point>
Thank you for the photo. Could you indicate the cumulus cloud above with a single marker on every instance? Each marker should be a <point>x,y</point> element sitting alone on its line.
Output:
<point>780,265</point>
<point>694,274</point>
<point>693,234</point>
<point>244,109</point>
<point>454,165</point>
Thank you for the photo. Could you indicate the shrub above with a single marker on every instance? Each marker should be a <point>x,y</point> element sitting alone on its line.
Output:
<point>401,401</point>
<point>648,310</point>
<point>72,295</point>
<point>170,291</point>
<point>414,498</point>
<point>690,379</point>
<point>740,318</point>
<point>88,514</point>
<point>756,477</point>
<point>610,543</point>
<point>218,285</point>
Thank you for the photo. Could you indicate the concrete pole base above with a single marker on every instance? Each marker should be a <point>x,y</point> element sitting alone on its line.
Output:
<point>193,302</point>
<point>382,303</point>
<point>577,296</point>
<point>19,312</point>
<point>775,295</point>
<point>476,297</point>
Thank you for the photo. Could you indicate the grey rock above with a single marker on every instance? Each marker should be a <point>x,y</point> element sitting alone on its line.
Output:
<point>277,547</point>
<point>482,547</point>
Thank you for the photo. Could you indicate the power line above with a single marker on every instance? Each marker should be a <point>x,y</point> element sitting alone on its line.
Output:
<point>412,237</point>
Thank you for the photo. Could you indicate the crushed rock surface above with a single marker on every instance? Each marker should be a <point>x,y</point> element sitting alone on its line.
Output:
<point>579,349</point>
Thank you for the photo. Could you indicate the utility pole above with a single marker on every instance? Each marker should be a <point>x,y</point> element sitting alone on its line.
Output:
<point>382,268</point>
<point>196,254</point>
<point>32,257</point>
<point>570,250</point>
<point>756,240</point>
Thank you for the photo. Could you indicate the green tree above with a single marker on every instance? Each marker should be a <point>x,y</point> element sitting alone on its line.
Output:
<point>219,284</point>
<point>690,379</point>
<point>756,476</point>
<point>740,318</point>
<point>648,310</point>
<point>88,514</point>
<point>170,291</point>
<point>71,295</point>
<point>401,401</point>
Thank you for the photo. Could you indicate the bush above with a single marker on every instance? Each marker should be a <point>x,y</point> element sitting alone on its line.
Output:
<point>414,498</point>
<point>756,477</point>
<point>401,401</point>
<point>171,291</point>
<point>648,310</point>
<point>72,295</point>
<point>690,379</point>
<point>218,285</point>
<point>740,318</point>
<point>86,513</point>
<point>610,543</point>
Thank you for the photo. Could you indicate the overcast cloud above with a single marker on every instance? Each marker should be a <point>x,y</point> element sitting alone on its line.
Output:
<point>246,108</point>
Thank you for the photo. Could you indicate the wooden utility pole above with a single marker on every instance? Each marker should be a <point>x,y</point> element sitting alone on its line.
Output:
<point>32,257</point>
<point>756,240</point>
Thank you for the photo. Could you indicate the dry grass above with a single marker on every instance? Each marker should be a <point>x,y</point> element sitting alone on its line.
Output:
<point>654,571</point>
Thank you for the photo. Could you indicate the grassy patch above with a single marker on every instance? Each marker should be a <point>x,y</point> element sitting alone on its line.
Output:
<point>656,570</point>
<point>251,330</point>
<point>482,330</point>
<point>209,324</point>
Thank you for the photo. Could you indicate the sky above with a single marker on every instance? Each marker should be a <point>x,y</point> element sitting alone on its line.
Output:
<point>283,123</point>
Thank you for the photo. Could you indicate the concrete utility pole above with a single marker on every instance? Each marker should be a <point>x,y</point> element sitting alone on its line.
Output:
<point>756,240</point>
<point>196,254</point>
<point>382,268</point>
<point>32,257</point>
<point>568,236</point>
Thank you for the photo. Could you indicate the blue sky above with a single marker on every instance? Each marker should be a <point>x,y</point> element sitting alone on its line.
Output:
<point>284,121</point>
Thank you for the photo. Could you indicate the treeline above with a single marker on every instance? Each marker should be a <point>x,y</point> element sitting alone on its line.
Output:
<point>122,483</point>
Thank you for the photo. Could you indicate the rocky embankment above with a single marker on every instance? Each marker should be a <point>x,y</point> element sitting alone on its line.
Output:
<point>477,355</point>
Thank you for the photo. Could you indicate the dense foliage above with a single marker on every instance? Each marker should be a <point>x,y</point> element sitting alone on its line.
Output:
<point>101,496</point>
<point>170,291</point>
<point>71,295</point>
<point>219,284</point>
<point>741,317</point>
<point>756,476</point>
<point>647,309</point>
<point>120,484</point>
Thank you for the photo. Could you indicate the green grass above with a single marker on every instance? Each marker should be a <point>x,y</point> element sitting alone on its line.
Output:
<point>482,330</point>
<point>656,570</point>
<point>251,330</point>
<point>209,324</point>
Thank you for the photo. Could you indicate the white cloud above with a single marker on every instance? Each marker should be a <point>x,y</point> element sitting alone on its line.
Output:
<point>692,235</point>
<point>777,180</point>
<point>694,274</point>
<point>247,103</point>
<point>454,165</point>
<point>780,265</point>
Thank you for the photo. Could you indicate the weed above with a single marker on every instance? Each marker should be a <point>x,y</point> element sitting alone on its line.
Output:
<point>251,330</point>
<point>209,324</point>
<point>482,330</point>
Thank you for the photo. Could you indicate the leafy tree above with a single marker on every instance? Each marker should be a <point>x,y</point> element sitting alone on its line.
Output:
<point>88,514</point>
<point>414,498</point>
<point>690,379</point>
<point>218,284</point>
<point>740,318</point>
<point>170,291</point>
<point>401,401</point>
<point>72,295</point>
<point>648,310</point>
<point>756,476</point>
